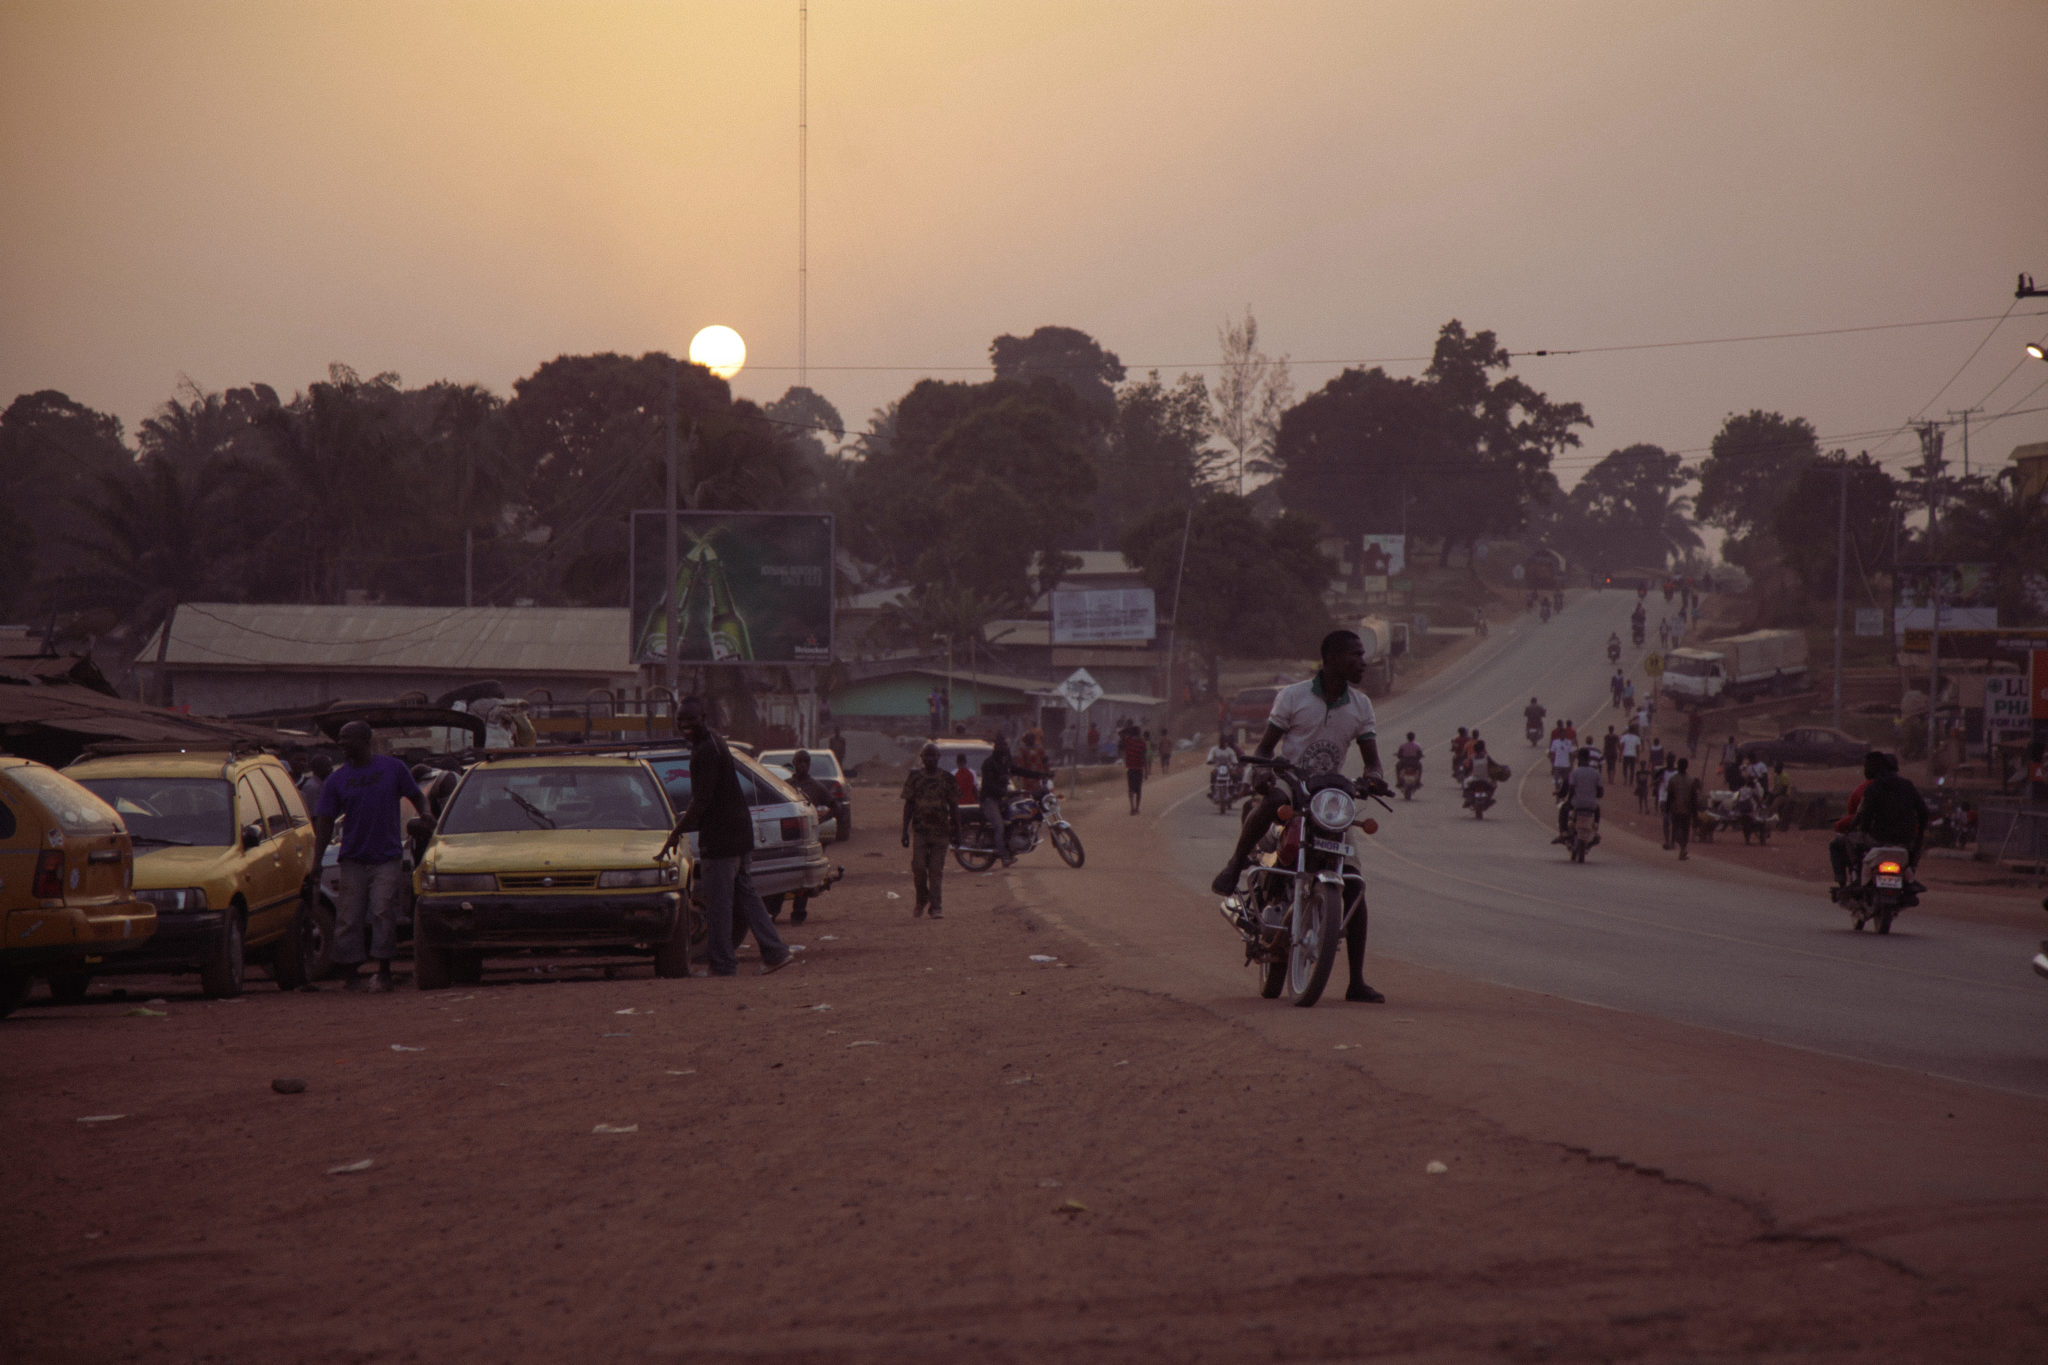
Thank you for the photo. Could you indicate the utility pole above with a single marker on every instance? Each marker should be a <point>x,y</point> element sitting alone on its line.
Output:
<point>803,196</point>
<point>1965,416</point>
<point>1841,565</point>
<point>1930,446</point>
<point>1173,626</point>
<point>669,532</point>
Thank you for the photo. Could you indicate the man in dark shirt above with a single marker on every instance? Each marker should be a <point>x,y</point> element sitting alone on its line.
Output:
<point>1892,811</point>
<point>816,792</point>
<point>931,813</point>
<point>724,826</point>
<point>996,771</point>
<point>363,793</point>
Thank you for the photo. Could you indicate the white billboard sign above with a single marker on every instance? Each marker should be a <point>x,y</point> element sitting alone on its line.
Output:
<point>2007,705</point>
<point>1395,548</point>
<point>1086,616</point>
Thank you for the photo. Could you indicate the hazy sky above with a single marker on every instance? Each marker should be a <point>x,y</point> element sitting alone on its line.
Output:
<point>248,191</point>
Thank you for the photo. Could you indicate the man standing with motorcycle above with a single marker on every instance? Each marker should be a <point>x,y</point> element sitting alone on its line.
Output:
<point>996,771</point>
<point>1312,724</point>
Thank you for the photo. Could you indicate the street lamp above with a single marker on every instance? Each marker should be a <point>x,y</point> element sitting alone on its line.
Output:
<point>721,351</point>
<point>2038,349</point>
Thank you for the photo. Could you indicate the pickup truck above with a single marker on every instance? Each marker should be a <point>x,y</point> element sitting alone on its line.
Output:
<point>1738,667</point>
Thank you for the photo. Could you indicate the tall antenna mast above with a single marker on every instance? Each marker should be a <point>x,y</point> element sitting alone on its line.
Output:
<point>803,194</point>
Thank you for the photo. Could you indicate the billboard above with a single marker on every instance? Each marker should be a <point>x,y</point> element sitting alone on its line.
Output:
<point>751,587</point>
<point>1969,596</point>
<point>1394,548</point>
<point>1087,616</point>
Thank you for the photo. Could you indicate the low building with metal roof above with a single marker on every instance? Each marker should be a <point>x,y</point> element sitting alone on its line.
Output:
<point>238,658</point>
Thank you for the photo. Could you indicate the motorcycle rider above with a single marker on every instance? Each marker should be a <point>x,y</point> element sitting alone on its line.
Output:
<point>1890,811</point>
<point>1312,723</point>
<point>1582,791</point>
<point>1532,718</point>
<point>1408,758</point>
<point>1459,743</point>
<point>1614,645</point>
<point>1481,770</point>
<point>996,771</point>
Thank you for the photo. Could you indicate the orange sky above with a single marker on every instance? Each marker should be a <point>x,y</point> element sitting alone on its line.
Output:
<point>244,191</point>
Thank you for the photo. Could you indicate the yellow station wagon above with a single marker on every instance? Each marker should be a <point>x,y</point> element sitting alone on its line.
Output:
<point>222,847</point>
<point>66,878</point>
<point>550,852</point>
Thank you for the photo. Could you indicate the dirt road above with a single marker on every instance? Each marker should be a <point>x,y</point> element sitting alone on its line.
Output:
<point>923,1144</point>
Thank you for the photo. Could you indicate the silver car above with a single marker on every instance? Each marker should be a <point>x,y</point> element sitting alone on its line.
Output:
<point>789,858</point>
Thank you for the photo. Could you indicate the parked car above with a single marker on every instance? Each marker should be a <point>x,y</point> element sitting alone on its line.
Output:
<point>826,770</point>
<point>67,876</point>
<point>550,852</point>
<point>788,862</point>
<point>223,846</point>
<point>1811,745</point>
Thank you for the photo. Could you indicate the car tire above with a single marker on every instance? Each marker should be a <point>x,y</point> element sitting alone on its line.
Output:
<point>220,976</point>
<point>14,989</point>
<point>68,988</point>
<point>433,969</point>
<point>845,825</point>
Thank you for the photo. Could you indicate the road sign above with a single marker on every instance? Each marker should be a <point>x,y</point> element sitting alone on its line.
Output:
<point>1079,691</point>
<point>1653,664</point>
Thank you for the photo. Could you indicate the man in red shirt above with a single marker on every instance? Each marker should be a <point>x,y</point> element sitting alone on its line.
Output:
<point>1133,748</point>
<point>963,778</point>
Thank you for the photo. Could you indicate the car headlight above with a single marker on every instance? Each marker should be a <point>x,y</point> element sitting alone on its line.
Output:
<point>459,881</point>
<point>638,876</point>
<point>182,898</point>
<point>1332,809</point>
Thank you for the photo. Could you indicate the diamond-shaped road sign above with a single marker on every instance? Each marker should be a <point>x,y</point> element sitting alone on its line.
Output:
<point>1080,691</point>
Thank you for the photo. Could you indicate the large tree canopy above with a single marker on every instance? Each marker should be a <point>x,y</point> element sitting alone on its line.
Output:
<point>1627,511</point>
<point>1810,514</point>
<point>1464,451</point>
<point>54,452</point>
<point>1067,355</point>
<point>1157,452</point>
<point>1754,463</point>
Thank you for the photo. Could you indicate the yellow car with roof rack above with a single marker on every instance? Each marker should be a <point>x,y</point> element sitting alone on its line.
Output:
<point>550,852</point>
<point>66,881</point>
<point>223,847</point>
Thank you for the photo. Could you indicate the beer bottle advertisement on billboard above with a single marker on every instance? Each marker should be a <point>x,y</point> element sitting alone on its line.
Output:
<point>750,587</point>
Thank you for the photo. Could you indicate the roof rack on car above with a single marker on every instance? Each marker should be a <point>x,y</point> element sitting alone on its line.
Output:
<point>564,750</point>
<point>114,748</point>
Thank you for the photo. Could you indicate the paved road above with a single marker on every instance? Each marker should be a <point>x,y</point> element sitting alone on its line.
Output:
<point>1495,902</point>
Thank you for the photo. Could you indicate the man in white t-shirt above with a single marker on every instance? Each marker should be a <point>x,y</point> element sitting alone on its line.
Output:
<point>1313,725</point>
<point>1631,749</point>
<point>1560,760</point>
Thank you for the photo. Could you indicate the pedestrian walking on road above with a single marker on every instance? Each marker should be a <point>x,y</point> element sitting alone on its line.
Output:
<point>1663,778</point>
<point>1610,751</point>
<point>1134,766</point>
<point>1631,746</point>
<point>1657,754</point>
<point>1165,752</point>
<point>1628,695</point>
<point>1683,801</point>
<point>931,823</point>
<point>724,826</point>
<point>1694,729</point>
<point>363,793</point>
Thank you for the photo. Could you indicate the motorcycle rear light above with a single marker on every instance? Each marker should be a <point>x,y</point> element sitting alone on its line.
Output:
<point>792,827</point>
<point>1890,869</point>
<point>49,876</point>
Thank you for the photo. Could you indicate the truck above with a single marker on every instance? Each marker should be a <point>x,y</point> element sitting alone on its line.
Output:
<point>1738,667</point>
<point>1385,641</point>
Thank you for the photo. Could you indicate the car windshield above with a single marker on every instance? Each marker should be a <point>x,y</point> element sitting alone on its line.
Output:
<point>496,800</point>
<point>171,810</point>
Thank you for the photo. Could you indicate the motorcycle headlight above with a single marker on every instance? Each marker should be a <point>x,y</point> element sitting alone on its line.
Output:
<point>639,876</point>
<point>1332,809</point>
<point>1050,804</point>
<point>459,881</point>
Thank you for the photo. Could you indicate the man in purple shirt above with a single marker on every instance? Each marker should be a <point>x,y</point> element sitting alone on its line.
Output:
<point>364,793</point>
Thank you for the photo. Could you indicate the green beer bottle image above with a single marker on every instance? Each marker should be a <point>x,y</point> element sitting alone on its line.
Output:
<point>730,642</point>
<point>654,643</point>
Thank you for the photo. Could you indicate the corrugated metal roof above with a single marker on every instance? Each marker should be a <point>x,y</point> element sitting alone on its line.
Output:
<point>580,640</point>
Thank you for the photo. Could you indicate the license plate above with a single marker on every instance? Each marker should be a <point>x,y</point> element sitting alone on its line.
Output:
<point>1332,846</point>
<point>1889,883</point>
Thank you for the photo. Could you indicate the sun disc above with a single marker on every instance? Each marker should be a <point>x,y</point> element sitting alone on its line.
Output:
<point>719,350</point>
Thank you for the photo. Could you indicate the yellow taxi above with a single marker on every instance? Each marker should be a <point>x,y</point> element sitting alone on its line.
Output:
<point>222,848</point>
<point>66,879</point>
<point>553,852</point>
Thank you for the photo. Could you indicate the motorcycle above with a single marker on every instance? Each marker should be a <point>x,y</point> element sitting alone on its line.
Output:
<point>1614,651</point>
<point>1301,896</point>
<point>1879,888</point>
<point>1585,832</point>
<point>1408,777</point>
<point>1479,789</point>
<point>1225,786</point>
<point>1635,631</point>
<point>1027,821</point>
<point>1534,730</point>
<point>1558,598</point>
<point>1531,605</point>
<point>1544,610</point>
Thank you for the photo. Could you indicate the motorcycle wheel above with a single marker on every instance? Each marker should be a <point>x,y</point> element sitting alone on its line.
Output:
<point>975,859</point>
<point>1272,979</point>
<point>1318,924</point>
<point>1479,812</point>
<point>1069,845</point>
<point>1884,920</point>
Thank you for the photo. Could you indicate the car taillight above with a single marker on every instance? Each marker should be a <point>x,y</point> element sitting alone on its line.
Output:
<point>49,878</point>
<point>1890,869</point>
<point>838,790</point>
<point>792,827</point>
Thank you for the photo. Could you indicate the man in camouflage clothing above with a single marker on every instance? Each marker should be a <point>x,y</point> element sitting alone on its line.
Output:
<point>931,823</point>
